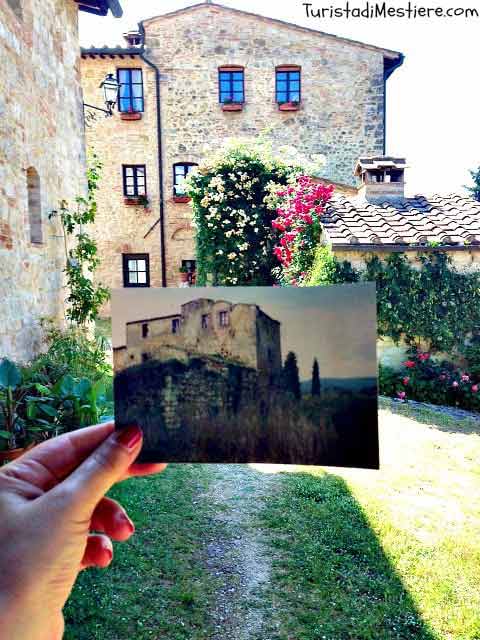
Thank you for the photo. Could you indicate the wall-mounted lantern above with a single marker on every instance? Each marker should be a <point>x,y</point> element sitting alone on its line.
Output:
<point>111,87</point>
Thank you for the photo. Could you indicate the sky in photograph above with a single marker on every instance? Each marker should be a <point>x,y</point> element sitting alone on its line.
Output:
<point>432,100</point>
<point>335,324</point>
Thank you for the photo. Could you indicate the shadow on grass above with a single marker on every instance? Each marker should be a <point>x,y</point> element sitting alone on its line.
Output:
<point>333,575</point>
<point>448,419</point>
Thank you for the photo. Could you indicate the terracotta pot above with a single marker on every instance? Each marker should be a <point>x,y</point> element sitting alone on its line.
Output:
<point>13,454</point>
<point>181,199</point>
<point>184,277</point>
<point>232,106</point>
<point>133,115</point>
<point>288,106</point>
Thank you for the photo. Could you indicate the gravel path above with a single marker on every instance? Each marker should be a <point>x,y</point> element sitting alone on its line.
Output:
<point>237,557</point>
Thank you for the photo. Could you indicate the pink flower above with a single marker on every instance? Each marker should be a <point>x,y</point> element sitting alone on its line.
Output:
<point>423,356</point>
<point>442,377</point>
<point>406,380</point>
<point>409,364</point>
<point>475,388</point>
<point>401,395</point>
<point>465,378</point>
<point>454,384</point>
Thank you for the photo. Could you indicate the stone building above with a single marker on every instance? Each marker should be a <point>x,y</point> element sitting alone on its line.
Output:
<point>240,333</point>
<point>42,158</point>
<point>202,74</point>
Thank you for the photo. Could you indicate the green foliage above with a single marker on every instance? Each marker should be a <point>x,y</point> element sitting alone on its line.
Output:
<point>316,379</point>
<point>290,375</point>
<point>12,425</point>
<point>84,297</point>
<point>71,351</point>
<point>412,302</point>
<point>327,269</point>
<point>234,236</point>
<point>475,189</point>
<point>388,381</point>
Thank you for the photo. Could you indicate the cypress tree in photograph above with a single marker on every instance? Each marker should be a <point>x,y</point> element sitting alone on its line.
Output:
<point>291,376</point>
<point>315,379</point>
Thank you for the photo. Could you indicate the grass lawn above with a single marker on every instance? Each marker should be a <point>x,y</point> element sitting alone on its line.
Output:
<point>354,555</point>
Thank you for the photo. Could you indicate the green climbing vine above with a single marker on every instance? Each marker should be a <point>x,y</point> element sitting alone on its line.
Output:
<point>84,297</point>
<point>431,300</point>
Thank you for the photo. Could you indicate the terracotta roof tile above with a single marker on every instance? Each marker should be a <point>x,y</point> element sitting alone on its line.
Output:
<point>452,219</point>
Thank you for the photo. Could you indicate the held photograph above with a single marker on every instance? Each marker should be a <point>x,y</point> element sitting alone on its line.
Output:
<point>249,374</point>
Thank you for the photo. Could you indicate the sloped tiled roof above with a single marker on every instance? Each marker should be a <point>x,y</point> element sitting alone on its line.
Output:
<point>452,220</point>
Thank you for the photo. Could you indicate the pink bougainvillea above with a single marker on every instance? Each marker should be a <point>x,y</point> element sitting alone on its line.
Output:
<point>298,222</point>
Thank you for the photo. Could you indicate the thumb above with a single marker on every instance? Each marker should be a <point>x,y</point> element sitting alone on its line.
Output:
<point>105,466</point>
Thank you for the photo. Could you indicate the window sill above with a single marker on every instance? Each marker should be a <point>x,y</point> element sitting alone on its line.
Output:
<point>232,106</point>
<point>131,202</point>
<point>126,115</point>
<point>181,199</point>
<point>288,106</point>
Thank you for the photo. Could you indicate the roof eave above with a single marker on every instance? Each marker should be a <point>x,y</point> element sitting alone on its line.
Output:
<point>101,7</point>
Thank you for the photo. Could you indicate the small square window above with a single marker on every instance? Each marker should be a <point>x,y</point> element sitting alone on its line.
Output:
<point>134,180</point>
<point>180,172</point>
<point>136,270</point>
<point>231,86</point>
<point>175,325</point>
<point>145,330</point>
<point>205,320</point>
<point>287,86</point>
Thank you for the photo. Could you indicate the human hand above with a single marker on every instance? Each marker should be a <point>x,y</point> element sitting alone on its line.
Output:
<point>51,499</point>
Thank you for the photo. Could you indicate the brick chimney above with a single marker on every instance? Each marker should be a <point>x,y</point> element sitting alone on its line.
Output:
<point>383,179</point>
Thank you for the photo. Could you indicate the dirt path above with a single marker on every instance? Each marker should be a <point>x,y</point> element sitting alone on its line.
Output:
<point>237,556</point>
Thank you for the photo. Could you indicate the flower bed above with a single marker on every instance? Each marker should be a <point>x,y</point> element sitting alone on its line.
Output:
<point>423,378</point>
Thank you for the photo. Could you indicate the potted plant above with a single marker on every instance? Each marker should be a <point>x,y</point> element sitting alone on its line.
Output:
<point>228,104</point>
<point>131,114</point>
<point>184,275</point>
<point>293,105</point>
<point>144,202</point>
<point>13,434</point>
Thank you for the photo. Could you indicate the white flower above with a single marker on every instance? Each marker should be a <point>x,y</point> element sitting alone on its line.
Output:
<point>232,256</point>
<point>256,229</point>
<point>220,252</point>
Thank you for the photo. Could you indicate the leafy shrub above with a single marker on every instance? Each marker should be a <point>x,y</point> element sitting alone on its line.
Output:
<point>70,351</point>
<point>232,215</point>
<point>388,381</point>
<point>327,269</point>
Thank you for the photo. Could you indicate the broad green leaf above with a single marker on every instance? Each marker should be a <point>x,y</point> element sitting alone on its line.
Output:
<point>10,374</point>
<point>5,434</point>
<point>49,410</point>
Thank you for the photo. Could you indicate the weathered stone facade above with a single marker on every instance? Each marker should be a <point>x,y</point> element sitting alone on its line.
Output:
<point>240,333</point>
<point>42,160</point>
<point>340,115</point>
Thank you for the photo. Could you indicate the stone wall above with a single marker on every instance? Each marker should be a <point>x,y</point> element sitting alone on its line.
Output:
<point>41,131</point>
<point>341,115</point>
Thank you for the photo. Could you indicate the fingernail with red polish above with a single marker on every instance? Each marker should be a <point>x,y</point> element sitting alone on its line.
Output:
<point>130,437</point>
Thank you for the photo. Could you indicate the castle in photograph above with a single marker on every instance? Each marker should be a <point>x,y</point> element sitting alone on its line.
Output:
<point>237,333</point>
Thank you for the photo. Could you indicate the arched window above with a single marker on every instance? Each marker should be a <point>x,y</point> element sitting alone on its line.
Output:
<point>34,206</point>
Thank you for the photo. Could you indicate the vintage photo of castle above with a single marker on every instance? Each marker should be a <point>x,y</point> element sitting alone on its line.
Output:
<point>243,375</point>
